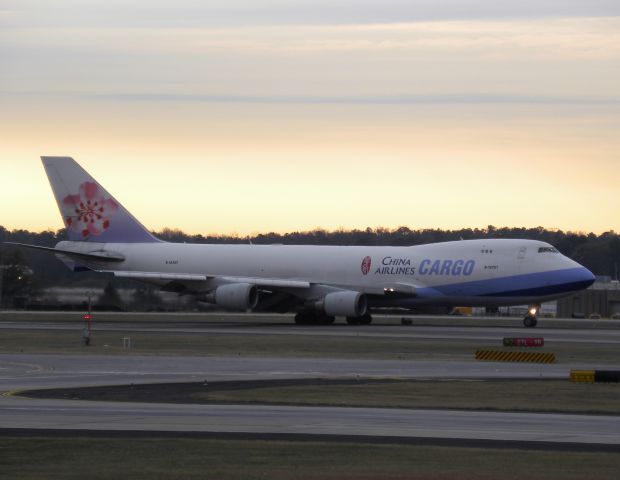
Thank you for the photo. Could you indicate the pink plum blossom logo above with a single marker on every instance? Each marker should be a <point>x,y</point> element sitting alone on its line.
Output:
<point>366,265</point>
<point>88,212</point>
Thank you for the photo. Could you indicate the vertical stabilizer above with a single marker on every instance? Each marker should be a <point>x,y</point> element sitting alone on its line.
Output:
<point>89,212</point>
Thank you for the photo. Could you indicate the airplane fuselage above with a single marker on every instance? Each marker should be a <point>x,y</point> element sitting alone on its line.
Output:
<point>471,272</point>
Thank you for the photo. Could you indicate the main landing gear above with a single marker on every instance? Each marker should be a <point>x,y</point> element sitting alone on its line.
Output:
<point>313,319</point>
<point>306,318</point>
<point>531,319</point>
<point>363,320</point>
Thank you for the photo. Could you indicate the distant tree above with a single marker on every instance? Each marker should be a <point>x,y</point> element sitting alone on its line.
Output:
<point>16,282</point>
<point>110,297</point>
<point>145,299</point>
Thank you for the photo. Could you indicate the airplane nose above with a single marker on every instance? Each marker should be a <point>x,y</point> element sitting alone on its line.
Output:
<point>583,277</point>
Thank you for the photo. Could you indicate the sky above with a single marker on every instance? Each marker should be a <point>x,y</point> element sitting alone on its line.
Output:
<point>244,116</point>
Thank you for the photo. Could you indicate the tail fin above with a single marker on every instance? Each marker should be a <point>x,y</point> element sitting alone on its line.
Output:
<point>90,213</point>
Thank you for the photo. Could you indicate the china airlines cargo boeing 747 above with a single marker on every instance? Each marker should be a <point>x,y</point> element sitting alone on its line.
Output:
<point>317,282</point>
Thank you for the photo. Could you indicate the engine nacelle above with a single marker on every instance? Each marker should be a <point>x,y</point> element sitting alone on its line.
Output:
<point>344,304</point>
<point>235,296</point>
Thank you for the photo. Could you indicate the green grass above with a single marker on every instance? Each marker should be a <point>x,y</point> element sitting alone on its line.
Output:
<point>502,395</point>
<point>164,343</point>
<point>507,395</point>
<point>127,458</point>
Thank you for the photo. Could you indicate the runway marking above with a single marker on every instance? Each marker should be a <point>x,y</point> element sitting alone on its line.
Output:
<point>10,393</point>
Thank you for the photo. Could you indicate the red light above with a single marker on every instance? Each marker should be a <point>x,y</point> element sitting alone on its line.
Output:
<point>88,316</point>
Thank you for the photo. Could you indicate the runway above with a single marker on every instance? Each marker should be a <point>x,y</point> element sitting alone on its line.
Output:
<point>33,371</point>
<point>39,371</point>
<point>605,332</point>
<point>19,372</point>
<point>375,422</point>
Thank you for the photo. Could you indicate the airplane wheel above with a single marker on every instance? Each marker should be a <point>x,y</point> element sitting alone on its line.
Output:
<point>325,320</point>
<point>311,319</point>
<point>304,319</point>
<point>363,320</point>
<point>530,322</point>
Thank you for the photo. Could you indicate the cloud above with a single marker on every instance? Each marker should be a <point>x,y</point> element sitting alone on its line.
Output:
<point>592,37</point>
<point>464,99</point>
<point>437,99</point>
<point>520,59</point>
<point>188,13</point>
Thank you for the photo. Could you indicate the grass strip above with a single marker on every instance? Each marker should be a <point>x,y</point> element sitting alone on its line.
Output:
<point>240,344</point>
<point>178,458</point>
<point>560,396</point>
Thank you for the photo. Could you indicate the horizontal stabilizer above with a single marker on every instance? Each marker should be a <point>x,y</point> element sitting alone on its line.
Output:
<point>97,255</point>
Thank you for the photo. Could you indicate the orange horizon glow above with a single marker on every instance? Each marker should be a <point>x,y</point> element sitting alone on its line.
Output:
<point>245,129</point>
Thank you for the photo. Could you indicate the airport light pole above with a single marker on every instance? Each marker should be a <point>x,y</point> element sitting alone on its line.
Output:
<point>89,324</point>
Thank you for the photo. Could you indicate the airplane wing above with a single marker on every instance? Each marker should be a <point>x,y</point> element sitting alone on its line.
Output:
<point>275,283</point>
<point>190,277</point>
<point>186,277</point>
<point>400,288</point>
<point>269,282</point>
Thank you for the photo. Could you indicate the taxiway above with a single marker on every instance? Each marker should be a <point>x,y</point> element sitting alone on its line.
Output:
<point>34,371</point>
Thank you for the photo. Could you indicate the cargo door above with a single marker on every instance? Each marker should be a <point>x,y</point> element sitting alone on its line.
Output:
<point>521,254</point>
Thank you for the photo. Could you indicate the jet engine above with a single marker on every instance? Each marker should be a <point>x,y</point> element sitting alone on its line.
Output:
<point>235,296</point>
<point>344,304</point>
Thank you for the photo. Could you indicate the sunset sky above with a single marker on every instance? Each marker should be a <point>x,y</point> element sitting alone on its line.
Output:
<point>251,116</point>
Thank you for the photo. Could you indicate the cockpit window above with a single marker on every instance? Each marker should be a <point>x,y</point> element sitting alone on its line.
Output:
<point>547,250</point>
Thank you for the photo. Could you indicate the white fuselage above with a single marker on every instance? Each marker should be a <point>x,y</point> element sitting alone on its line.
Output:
<point>470,272</point>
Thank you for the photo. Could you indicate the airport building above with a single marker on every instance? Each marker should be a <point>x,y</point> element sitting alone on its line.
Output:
<point>601,299</point>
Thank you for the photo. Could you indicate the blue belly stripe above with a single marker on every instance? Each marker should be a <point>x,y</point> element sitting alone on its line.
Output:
<point>530,284</point>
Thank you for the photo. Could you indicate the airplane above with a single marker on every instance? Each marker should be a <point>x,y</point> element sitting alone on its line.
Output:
<point>318,283</point>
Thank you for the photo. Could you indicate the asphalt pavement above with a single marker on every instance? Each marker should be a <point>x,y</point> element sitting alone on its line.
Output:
<point>32,371</point>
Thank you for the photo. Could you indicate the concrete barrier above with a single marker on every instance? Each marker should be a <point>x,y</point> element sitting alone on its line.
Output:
<point>607,376</point>
<point>595,376</point>
<point>586,376</point>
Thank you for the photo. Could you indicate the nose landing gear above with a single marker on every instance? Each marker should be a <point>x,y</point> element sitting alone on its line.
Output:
<point>531,319</point>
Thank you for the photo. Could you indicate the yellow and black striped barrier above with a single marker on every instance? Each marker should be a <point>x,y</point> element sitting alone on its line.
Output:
<point>586,376</point>
<point>595,376</point>
<point>529,357</point>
